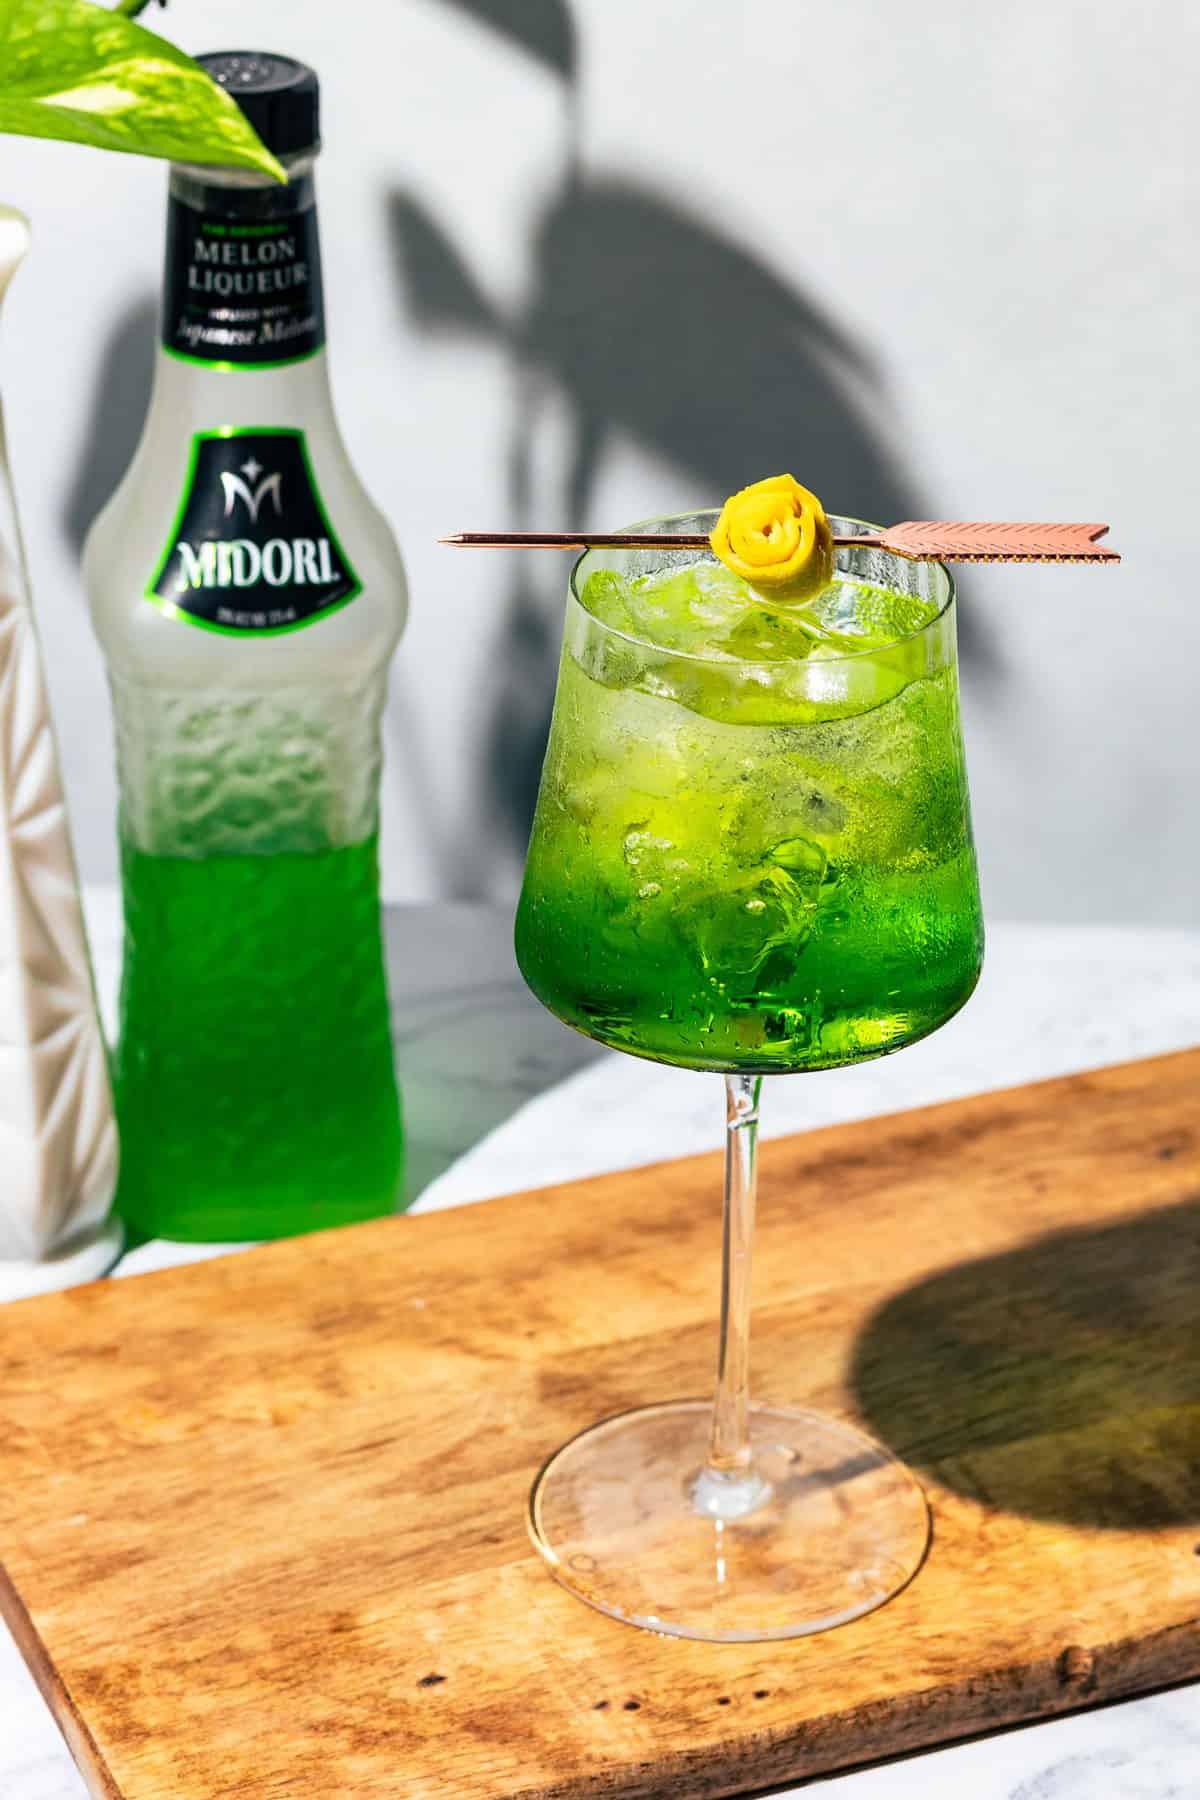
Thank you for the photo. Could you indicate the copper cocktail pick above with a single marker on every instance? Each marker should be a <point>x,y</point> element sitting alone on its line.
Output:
<point>921,540</point>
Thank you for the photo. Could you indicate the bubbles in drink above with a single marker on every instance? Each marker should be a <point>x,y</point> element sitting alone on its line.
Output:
<point>752,847</point>
<point>702,609</point>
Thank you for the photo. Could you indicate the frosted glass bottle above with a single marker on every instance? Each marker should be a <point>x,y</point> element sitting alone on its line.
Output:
<point>248,596</point>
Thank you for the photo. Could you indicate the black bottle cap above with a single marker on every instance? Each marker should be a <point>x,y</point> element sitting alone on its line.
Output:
<point>280,97</point>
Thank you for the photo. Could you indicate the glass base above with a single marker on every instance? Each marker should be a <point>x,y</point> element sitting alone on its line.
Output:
<point>825,1527</point>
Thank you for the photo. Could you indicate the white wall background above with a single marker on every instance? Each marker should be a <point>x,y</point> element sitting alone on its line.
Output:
<point>932,256</point>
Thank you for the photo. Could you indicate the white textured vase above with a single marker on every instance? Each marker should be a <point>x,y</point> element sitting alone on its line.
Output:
<point>58,1143</point>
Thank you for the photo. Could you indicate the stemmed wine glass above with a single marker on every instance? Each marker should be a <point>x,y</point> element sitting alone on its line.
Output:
<point>752,854</point>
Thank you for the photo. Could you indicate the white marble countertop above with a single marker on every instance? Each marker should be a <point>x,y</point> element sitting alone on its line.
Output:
<point>498,1096</point>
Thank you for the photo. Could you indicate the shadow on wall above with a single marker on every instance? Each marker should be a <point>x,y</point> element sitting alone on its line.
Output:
<point>115,417</point>
<point>647,323</point>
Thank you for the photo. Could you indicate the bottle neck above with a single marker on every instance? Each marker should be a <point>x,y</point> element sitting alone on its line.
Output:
<point>242,288</point>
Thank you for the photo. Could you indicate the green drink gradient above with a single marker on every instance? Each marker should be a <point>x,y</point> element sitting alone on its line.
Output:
<point>752,848</point>
<point>254,1083</point>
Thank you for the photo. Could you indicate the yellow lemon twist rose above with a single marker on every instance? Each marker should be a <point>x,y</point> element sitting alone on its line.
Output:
<point>775,536</point>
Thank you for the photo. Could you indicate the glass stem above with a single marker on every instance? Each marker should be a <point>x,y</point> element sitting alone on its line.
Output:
<point>730,1455</point>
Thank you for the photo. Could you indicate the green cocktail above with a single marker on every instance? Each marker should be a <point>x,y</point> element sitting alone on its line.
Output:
<point>752,853</point>
<point>752,848</point>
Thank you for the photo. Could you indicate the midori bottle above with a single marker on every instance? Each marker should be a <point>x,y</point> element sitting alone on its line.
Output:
<point>248,597</point>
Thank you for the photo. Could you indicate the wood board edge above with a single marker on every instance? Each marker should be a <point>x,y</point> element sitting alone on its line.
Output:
<point>50,1685</point>
<point>1078,1679</point>
<point>1131,1069</point>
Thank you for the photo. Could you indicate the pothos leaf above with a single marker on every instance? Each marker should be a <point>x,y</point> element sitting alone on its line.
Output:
<point>73,70</point>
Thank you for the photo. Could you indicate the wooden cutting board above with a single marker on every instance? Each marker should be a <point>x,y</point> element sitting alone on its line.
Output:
<point>262,1519</point>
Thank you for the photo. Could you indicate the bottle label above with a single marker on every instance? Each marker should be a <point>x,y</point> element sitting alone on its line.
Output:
<point>252,548</point>
<point>243,293</point>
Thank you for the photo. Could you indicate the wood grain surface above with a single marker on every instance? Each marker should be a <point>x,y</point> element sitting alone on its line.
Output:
<point>262,1519</point>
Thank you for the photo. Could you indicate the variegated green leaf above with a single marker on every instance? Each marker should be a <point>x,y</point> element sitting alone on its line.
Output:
<point>71,69</point>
